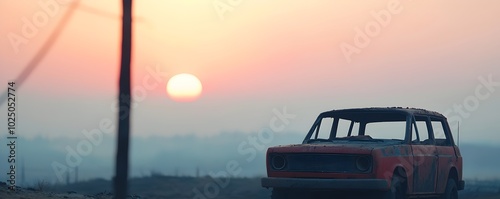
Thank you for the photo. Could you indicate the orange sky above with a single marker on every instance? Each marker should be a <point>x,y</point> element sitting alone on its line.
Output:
<point>260,55</point>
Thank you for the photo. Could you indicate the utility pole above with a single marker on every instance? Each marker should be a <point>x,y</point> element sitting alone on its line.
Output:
<point>23,175</point>
<point>67,177</point>
<point>76,174</point>
<point>124,97</point>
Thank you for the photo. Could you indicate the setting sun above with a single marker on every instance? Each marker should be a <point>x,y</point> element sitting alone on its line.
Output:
<point>184,87</point>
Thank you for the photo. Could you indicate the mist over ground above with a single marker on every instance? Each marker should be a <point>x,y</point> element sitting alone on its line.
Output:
<point>45,159</point>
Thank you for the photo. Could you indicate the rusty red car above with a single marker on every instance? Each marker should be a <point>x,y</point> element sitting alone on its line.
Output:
<point>388,153</point>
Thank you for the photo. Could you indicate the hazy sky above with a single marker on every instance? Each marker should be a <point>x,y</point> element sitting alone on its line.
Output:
<point>252,57</point>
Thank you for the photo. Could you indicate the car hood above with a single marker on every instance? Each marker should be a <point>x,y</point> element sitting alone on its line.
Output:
<point>330,147</point>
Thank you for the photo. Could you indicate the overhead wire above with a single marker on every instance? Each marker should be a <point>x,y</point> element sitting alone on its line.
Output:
<point>34,62</point>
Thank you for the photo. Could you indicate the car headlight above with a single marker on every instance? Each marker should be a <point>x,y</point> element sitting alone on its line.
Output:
<point>278,162</point>
<point>363,163</point>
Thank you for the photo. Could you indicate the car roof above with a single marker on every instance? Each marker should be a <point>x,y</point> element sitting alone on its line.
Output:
<point>355,112</point>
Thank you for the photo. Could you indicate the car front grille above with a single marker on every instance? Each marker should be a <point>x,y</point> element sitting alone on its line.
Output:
<point>322,163</point>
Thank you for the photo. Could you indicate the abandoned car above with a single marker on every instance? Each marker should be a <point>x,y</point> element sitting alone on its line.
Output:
<point>387,153</point>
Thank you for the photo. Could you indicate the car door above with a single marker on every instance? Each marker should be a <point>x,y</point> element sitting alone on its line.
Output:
<point>446,153</point>
<point>425,156</point>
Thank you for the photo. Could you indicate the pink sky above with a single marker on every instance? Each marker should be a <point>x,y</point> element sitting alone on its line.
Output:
<point>261,55</point>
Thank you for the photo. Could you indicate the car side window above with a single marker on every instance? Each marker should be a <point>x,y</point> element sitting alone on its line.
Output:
<point>414,135</point>
<point>439,133</point>
<point>386,130</point>
<point>423,131</point>
<point>343,128</point>
<point>325,128</point>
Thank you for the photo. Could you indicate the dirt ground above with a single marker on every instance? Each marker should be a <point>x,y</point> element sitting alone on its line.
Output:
<point>29,193</point>
<point>165,187</point>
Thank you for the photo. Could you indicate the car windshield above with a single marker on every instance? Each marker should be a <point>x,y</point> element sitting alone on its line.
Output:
<point>359,126</point>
